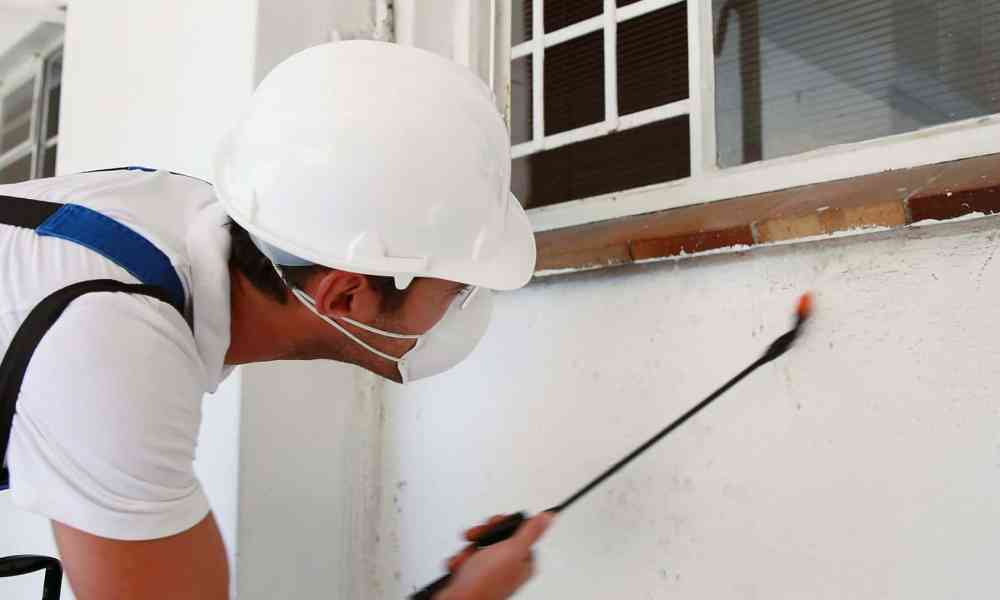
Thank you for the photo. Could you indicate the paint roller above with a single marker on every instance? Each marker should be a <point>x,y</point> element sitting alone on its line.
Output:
<point>506,528</point>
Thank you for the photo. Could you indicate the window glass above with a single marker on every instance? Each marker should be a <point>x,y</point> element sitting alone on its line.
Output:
<point>19,170</point>
<point>15,115</point>
<point>793,76</point>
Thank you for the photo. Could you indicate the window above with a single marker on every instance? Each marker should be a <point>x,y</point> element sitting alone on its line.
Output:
<point>613,111</point>
<point>29,118</point>
<point>796,76</point>
<point>620,107</point>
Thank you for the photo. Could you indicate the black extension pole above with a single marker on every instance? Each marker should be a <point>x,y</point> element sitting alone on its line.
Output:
<point>506,528</point>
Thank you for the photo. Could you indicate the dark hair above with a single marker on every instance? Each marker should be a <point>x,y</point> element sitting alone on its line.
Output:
<point>245,257</point>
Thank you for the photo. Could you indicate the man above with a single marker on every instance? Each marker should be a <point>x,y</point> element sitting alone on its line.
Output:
<point>361,213</point>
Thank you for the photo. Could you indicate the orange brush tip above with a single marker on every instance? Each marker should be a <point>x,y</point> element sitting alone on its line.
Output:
<point>805,306</point>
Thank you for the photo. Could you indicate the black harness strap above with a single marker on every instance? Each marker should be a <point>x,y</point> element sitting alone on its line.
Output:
<point>31,332</point>
<point>11,566</point>
<point>22,212</point>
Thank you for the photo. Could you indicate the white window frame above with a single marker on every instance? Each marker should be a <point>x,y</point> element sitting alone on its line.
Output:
<point>32,67</point>
<point>708,182</point>
<point>45,139</point>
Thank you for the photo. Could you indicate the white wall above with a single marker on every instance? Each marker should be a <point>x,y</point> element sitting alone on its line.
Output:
<point>287,26</point>
<point>154,83</point>
<point>864,464</point>
<point>14,25</point>
<point>309,486</point>
<point>459,30</point>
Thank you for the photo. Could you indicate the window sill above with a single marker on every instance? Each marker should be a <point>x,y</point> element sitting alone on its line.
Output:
<point>890,199</point>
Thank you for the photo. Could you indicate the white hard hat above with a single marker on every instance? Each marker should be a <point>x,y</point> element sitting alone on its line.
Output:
<point>378,159</point>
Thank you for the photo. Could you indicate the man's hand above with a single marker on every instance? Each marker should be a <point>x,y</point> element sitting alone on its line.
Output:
<point>495,572</point>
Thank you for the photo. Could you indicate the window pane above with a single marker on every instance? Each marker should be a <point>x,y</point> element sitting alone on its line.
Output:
<point>520,98</point>
<point>49,165</point>
<point>52,114</point>
<point>563,13</point>
<point>19,170</point>
<point>794,76</point>
<point>15,111</point>
<point>574,83</point>
<point>652,59</point>
<point>55,67</point>
<point>53,82</point>
<point>520,21</point>
<point>636,157</point>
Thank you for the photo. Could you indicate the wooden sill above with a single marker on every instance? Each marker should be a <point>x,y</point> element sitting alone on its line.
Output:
<point>890,199</point>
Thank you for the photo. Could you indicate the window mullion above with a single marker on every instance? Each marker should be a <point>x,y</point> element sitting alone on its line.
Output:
<point>35,133</point>
<point>538,72</point>
<point>16,153</point>
<point>610,65</point>
<point>701,87</point>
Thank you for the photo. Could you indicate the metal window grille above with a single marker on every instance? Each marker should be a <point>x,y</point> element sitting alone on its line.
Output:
<point>607,22</point>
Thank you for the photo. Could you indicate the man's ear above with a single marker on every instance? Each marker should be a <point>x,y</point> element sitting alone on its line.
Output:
<point>345,294</point>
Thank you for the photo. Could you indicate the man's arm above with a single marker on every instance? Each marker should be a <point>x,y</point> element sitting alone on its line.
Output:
<point>190,565</point>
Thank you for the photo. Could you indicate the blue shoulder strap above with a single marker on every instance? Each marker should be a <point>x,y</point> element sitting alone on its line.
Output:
<point>117,243</point>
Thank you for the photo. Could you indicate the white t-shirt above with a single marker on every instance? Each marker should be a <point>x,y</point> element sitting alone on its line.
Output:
<point>108,416</point>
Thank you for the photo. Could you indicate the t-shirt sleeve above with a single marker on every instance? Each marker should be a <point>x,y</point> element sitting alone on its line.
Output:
<point>107,421</point>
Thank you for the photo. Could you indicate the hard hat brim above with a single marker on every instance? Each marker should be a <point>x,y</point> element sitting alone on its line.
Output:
<point>513,266</point>
<point>509,268</point>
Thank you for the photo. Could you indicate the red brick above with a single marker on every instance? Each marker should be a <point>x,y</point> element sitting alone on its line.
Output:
<point>582,257</point>
<point>691,243</point>
<point>955,204</point>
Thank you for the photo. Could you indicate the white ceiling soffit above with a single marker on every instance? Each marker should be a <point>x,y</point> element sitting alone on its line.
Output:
<point>38,40</point>
<point>52,11</point>
<point>34,5</point>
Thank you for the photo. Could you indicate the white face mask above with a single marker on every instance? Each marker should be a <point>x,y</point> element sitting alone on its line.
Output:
<point>442,347</point>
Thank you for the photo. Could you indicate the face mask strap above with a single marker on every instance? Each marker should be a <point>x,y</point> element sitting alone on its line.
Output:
<point>401,362</point>
<point>312,304</point>
<point>309,303</point>
<point>389,334</point>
